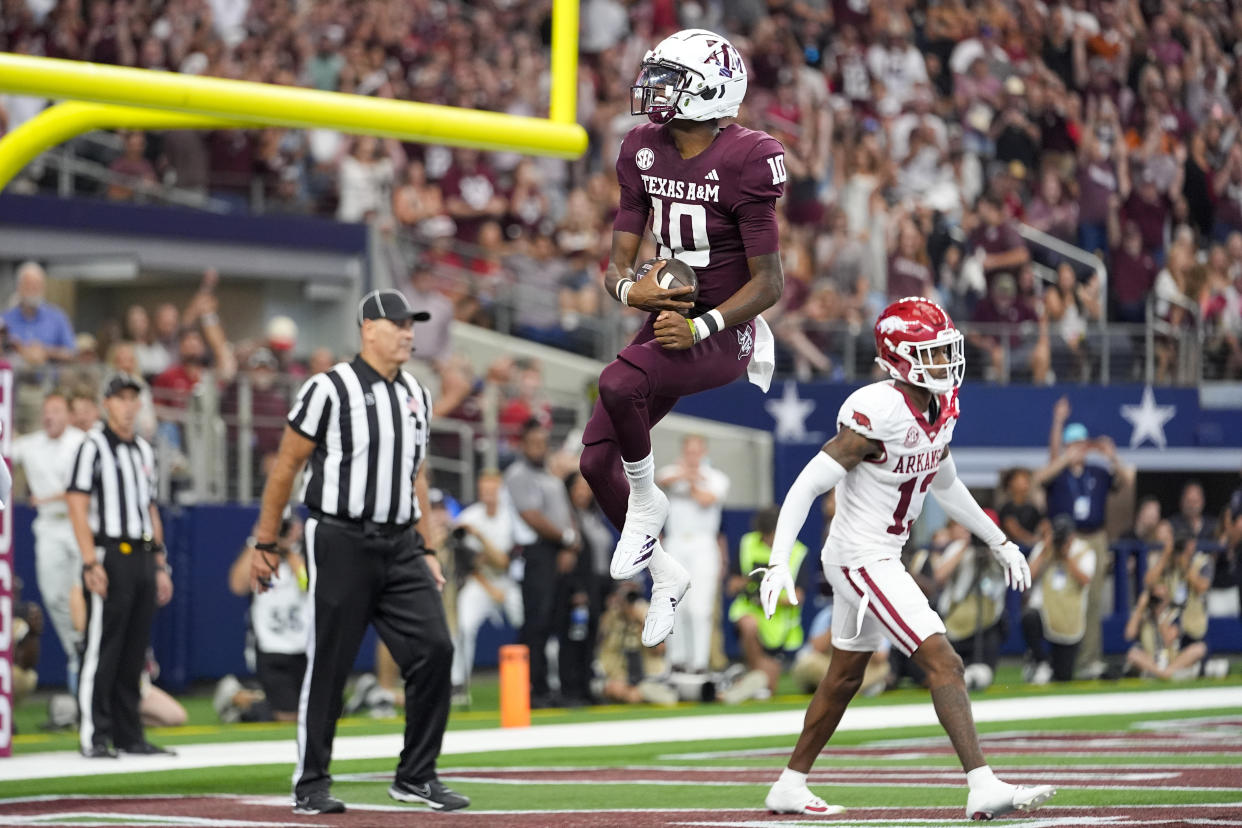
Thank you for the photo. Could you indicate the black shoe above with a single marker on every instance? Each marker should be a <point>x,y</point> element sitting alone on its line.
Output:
<point>435,793</point>
<point>99,752</point>
<point>544,701</point>
<point>146,749</point>
<point>320,802</point>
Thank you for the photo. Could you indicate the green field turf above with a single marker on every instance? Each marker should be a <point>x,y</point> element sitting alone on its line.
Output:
<point>364,781</point>
<point>204,726</point>
<point>274,779</point>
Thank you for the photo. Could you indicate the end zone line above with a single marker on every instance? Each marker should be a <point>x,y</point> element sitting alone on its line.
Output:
<point>622,732</point>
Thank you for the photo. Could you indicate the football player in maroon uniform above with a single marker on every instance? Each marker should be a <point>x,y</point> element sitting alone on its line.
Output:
<point>708,192</point>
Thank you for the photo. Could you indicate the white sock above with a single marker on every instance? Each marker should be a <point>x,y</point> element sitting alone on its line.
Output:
<point>664,567</point>
<point>792,778</point>
<point>980,777</point>
<point>641,474</point>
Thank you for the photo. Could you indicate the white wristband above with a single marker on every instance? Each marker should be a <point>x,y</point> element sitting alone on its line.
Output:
<point>708,324</point>
<point>623,290</point>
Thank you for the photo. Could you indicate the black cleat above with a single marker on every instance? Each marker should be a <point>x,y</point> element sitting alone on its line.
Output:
<point>146,749</point>
<point>99,752</point>
<point>435,793</point>
<point>318,803</point>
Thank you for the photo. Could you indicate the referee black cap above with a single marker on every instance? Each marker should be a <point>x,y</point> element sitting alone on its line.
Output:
<point>118,382</point>
<point>388,304</point>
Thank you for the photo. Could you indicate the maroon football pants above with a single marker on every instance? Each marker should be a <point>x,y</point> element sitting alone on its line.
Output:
<point>637,389</point>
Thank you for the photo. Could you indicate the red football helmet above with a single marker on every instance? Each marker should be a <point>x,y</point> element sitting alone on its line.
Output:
<point>908,334</point>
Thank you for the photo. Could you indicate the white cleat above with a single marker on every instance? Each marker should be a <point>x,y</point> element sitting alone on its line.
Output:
<point>643,524</point>
<point>662,611</point>
<point>787,799</point>
<point>1002,798</point>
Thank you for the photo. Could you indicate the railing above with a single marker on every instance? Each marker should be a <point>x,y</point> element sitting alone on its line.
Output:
<point>1034,235</point>
<point>503,297</point>
<point>1188,368</point>
<point>205,446</point>
<point>1096,356</point>
<point>70,167</point>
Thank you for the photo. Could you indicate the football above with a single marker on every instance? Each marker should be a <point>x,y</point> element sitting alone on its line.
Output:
<point>675,273</point>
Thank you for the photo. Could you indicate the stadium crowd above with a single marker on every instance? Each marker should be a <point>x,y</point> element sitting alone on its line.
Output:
<point>918,135</point>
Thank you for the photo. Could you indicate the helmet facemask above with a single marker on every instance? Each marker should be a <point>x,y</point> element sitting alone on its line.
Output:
<point>924,371</point>
<point>658,90</point>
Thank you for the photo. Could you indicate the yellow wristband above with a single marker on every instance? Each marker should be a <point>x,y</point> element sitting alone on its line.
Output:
<point>694,332</point>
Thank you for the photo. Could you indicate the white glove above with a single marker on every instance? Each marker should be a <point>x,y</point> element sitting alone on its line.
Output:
<point>1017,571</point>
<point>775,579</point>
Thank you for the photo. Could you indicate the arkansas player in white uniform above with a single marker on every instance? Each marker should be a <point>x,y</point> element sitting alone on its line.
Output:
<point>891,450</point>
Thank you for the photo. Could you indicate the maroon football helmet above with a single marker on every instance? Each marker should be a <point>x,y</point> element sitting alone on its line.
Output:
<point>907,335</point>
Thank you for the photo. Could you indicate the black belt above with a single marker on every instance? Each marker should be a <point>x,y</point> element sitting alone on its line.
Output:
<point>366,527</point>
<point>143,544</point>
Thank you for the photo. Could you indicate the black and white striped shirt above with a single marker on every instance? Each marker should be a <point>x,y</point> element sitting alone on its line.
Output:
<point>119,476</point>
<point>370,438</point>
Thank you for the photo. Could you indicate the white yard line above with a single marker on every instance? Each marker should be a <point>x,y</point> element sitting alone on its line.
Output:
<point>637,730</point>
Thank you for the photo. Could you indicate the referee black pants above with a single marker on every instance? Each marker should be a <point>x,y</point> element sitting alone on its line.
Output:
<point>118,631</point>
<point>355,579</point>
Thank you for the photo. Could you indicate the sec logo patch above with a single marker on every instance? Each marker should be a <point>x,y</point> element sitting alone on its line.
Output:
<point>644,158</point>
<point>912,437</point>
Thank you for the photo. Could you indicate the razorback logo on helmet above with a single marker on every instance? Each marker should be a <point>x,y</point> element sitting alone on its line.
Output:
<point>917,343</point>
<point>862,419</point>
<point>895,324</point>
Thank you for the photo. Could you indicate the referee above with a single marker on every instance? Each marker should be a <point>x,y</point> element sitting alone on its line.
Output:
<point>111,505</point>
<point>363,426</point>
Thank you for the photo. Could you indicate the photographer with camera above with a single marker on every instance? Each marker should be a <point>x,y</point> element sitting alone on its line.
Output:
<point>629,669</point>
<point>1079,486</point>
<point>480,545</point>
<point>1160,650</point>
<point>1056,616</point>
<point>972,602</point>
<point>277,632</point>
<point>1186,573</point>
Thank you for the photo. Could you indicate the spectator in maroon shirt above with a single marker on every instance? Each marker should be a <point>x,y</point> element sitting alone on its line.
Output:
<point>1051,211</point>
<point>134,172</point>
<point>909,270</point>
<point>1149,209</point>
<point>997,240</point>
<point>471,194</point>
<point>1028,354</point>
<point>268,405</point>
<point>1132,275</point>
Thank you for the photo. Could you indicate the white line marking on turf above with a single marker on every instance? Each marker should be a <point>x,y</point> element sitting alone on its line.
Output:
<point>623,732</point>
<point>130,818</point>
<point>853,783</point>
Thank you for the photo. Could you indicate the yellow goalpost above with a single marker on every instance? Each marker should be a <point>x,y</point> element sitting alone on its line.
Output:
<point>98,96</point>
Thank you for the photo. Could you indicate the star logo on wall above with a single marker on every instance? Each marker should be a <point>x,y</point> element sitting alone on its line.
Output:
<point>1147,420</point>
<point>790,413</point>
